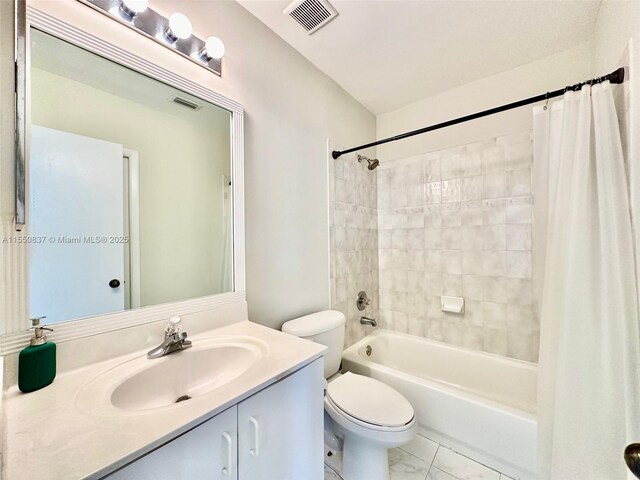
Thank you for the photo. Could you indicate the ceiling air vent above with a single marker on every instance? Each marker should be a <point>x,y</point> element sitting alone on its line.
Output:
<point>185,103</point>
<point>311,14</point>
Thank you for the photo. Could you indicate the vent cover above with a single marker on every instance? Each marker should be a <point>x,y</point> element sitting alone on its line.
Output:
<point>185,103</point>
<point>311,14</point>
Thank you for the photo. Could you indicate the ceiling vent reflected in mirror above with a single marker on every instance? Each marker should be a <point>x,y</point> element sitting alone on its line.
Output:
<point>311,15</point>
<point>185,103</point>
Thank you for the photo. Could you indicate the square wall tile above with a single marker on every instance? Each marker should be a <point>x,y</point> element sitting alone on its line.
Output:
<point>451,215</point>
<point>493,212</point>
<point>493,185</point>
<point>519,264</point>
<point>495,315</point>
<point>493,159</point>
<point>519,237</point>
<point>452,284</point>
<point>494,237</point>
<point>519,210</point>
<point>494,263</point>
<point>518,182</point>
<point>451,238</point>
<point>450,166</point>
<point>471,188</point>
<point>431,169</point>
<point>472,262</point>
<point>432,238</point>
<point>451,262</point>
<point>495,341</point>
<point>471,213</point>
<point>451,190</point>
<point>433,192</point>
<point>472,287</point>
<point>471,163</point>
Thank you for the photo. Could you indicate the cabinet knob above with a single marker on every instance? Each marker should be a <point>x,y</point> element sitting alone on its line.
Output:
<point>115,283</point>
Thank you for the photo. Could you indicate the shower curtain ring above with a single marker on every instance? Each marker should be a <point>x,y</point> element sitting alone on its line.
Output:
<point>546,98</point>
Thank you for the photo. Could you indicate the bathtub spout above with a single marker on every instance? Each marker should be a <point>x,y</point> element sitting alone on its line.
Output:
<point>368,321</point>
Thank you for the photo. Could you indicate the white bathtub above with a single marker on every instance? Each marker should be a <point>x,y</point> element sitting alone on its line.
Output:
<point>478,404</point>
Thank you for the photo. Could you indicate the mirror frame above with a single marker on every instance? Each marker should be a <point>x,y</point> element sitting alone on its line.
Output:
<point>15,330</point>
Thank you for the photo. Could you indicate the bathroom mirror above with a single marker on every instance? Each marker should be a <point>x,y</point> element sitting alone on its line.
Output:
<point>129,187</point>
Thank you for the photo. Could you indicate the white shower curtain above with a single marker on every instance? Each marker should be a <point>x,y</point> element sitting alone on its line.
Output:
<point>589,371</point>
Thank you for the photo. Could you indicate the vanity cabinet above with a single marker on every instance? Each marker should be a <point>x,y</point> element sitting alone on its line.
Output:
<point>209,451</point>
<point>280,429</point>
<point>276,434</point>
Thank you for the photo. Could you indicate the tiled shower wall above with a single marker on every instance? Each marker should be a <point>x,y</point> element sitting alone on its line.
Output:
<point>458,222</point>
<point>354,241</point>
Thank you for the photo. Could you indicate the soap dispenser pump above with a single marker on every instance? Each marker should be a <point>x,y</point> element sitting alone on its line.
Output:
<point>37,362</point>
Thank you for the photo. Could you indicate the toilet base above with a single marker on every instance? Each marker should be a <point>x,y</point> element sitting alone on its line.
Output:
<point>362,460</point>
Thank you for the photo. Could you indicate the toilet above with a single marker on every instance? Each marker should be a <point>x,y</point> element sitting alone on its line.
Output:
<point>369,416</point>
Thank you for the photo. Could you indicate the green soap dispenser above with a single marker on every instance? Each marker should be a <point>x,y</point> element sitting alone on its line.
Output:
<point>37,362</point>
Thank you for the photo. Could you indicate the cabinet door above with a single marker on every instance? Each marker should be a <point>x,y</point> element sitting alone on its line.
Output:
<point>209,452</point>
<point>280,429</point>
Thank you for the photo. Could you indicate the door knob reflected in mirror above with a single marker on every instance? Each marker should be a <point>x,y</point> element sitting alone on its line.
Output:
<point>115,283</point>
<point>632,457</point>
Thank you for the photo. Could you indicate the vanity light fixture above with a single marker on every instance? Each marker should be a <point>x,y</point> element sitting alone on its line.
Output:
<point>175,32</point>
<point>179,27</point>
<point>131,8</point>
<point>213,48</point>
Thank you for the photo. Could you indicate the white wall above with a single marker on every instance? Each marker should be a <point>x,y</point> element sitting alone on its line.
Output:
<point>549,73</point>
<point>619,22</point>
<point>291,107</point>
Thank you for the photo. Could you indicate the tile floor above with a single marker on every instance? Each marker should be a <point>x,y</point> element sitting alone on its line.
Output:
<point>423,459</point>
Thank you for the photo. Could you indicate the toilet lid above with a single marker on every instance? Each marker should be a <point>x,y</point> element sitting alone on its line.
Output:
<point>370,401</point>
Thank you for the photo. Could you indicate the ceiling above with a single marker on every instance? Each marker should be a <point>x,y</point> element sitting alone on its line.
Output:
<point>389,53</point>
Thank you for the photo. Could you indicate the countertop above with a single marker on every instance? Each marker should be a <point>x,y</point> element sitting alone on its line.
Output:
<point>49,437</point>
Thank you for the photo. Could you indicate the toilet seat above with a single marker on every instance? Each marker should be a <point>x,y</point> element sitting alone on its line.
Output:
<point>370,403</point>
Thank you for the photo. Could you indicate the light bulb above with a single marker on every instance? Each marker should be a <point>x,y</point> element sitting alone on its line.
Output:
<point>133,7</point>
<point>179,27</point>
<point>213,48</point>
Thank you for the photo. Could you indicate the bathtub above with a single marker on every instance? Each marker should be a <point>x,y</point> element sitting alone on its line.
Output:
<point>478,404</point>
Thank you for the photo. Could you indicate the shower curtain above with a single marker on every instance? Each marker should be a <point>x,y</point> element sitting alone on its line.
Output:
<point>589,371</point>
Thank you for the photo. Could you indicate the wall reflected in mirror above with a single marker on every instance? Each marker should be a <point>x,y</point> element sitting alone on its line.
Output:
<point>129,188</point>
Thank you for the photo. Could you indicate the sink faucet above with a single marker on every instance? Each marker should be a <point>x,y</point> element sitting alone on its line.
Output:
<point>174,339</point>
<point>368,321</point>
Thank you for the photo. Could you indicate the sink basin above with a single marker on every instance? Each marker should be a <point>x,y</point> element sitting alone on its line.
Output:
<point>145,384</point>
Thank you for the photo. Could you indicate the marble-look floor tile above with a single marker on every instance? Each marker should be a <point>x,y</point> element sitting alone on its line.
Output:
<point>422,447</point>
<point>404,466</point>
<point>330,474</point>
<point>504,477</point>
<point>435,474</point>
<point>462,467</point>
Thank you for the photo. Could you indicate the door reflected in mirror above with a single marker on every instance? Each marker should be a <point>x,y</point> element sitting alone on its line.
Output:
<point>129,188</point>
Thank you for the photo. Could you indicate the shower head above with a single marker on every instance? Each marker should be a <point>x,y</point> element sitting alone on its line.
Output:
<point>372,163</point>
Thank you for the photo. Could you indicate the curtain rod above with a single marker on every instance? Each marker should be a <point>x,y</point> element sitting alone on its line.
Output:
<point>616,76</point>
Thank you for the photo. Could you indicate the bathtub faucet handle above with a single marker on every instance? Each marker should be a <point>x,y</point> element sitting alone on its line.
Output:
<point>363,301</point>
<point>368,321</point>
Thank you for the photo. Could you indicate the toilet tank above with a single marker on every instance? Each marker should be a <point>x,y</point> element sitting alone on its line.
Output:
<point>326,328</point>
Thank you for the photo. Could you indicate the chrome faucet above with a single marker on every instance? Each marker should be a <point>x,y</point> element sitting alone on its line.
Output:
<point>174,340</point>
<point>368,321</point>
